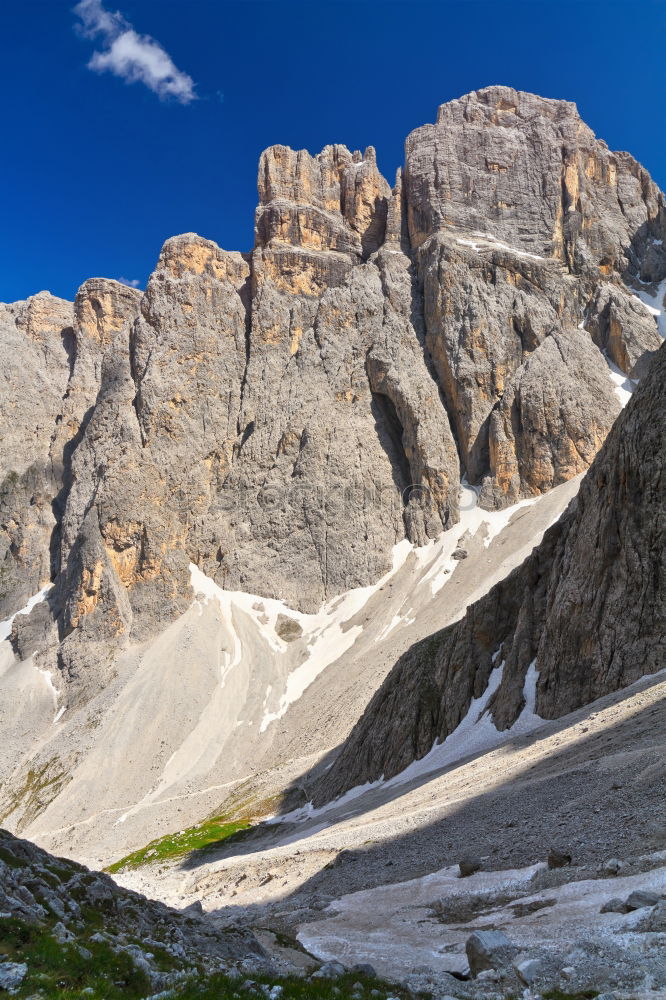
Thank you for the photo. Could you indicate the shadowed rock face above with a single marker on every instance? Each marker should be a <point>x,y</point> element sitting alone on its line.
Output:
<point>587,609</point>
<point>264,415</point>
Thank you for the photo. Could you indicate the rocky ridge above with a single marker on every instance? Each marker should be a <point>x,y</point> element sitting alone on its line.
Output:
<point>87,914</point>
<point>283,418</point>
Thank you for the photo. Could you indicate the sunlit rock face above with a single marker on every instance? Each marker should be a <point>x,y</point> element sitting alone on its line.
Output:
<point>282,418</point>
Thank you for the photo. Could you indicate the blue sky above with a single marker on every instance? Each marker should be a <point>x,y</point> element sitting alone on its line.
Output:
<point>97,172</point>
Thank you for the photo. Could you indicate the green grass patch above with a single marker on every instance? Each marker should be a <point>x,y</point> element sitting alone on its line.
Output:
<point>60,970</point>
<point>174,845</point>
<point>10,859</point>
<point>220,987</point>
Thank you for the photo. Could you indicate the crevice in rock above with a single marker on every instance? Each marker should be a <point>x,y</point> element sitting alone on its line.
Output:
<point>68,338</point>
<point>137,378</point>
<point>390,432</point>
<point>246,298</point>
<point>59,502</point>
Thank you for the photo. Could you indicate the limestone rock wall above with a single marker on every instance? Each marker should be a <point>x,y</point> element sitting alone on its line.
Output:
<point>283,418</point>
<point>587,610</point>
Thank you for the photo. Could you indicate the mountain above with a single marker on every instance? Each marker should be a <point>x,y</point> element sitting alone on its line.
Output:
<point>333,585</point>
<point>229,504</point>
<point>283,418</point>
<point>584,615</point>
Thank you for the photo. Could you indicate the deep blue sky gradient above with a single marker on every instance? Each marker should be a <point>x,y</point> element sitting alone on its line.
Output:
<point>96,174</point>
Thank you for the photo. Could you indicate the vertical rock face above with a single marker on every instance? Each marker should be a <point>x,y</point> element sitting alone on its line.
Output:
<point>336,345</point>
<point>283,418</point>
<point>586,610</point>
<point>524,225</point>
<point>52,356</point>
<point>528,171</point>
<point>336,200</point>
<point>37,344</point>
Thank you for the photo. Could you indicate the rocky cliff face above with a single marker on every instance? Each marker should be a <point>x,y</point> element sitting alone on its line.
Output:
<point>586,611</point>
<point>51,352</point>
<point>283,418</point>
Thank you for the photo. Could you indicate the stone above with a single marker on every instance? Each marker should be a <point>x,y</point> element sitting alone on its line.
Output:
<point>614,905</point>
<point>288,629</point>
<point>61,934</point>
<point>12,975</point>
<point>558,859</point>
<point>467,866</point>
<point>641,898</point>
<point>488,950</point>
<point>656,920</point>
<point>363,969</point>
<point>611,867</point>
<point>529,970</point>
<point>329,970</point>
<point>488,975</point>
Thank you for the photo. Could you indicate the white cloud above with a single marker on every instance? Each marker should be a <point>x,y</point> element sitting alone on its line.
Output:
<point>130,282</point>
<point>134,58</point>
<point>95,20</point>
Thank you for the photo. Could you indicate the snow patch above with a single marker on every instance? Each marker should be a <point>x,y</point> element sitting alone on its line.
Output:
<point>409,940</point>
<point>486,241</point>
<point>325,635</point>
<point>328,639</point>
<point>624,386</point>
<point>438,554</point>
<point>48,677</point>
<point>6,626</point>
<point>475,734</point>
<point>655,305</point>
<point>395,621</point>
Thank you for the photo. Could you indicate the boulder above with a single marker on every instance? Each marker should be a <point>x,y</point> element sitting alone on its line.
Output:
<point>12,975</point>
<point>364,969</point>
<point>614,905</point>
<point>611,867</point>
<point>656,920</point>
<point>329,970</point>
<point>529,969</point>
<point>488,950</point>
<point>558,859</point>
<point>468,865</point>
<point>641,898</point>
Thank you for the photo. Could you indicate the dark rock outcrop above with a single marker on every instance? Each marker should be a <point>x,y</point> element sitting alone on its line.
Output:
<point>82,908</point>
<point>586,611</point>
